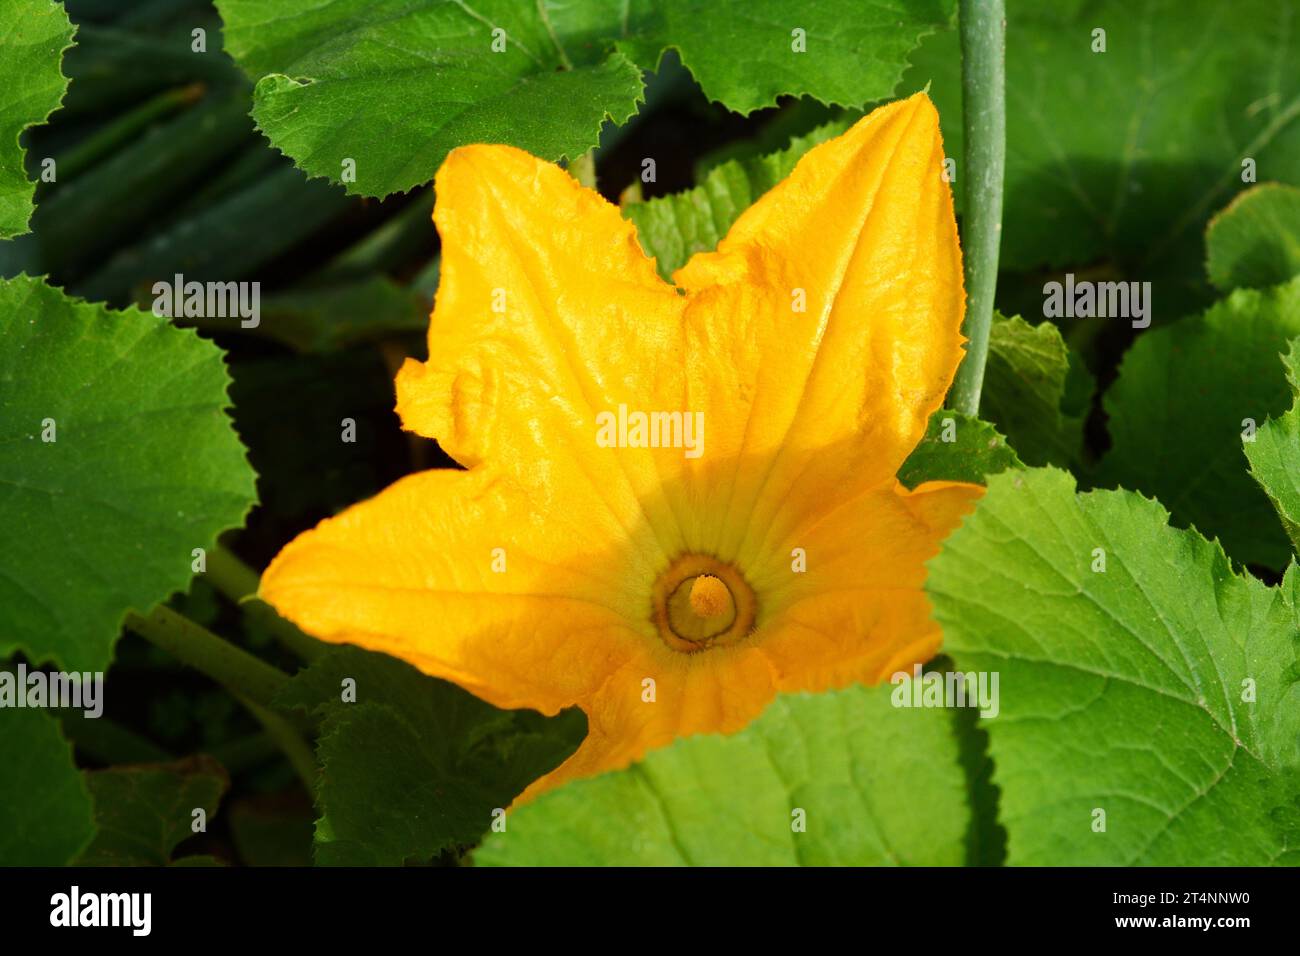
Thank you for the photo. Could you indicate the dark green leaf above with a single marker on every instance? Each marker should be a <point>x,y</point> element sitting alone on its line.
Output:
<point>1035,391</point>
<point>957,448</point>
<point>1255,241</point>
<point>1188,95</point>
<point>415,766</point>
<point>1186,396</point>
<point>45,809</point>
<point>143,812</point>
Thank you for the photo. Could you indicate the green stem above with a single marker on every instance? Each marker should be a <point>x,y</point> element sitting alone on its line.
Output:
<point>239,583</point>
<point>984,123</point>
<point>228,665</point>
<point>125,128</point>
<point>287,738</point>
<point>250,680</point>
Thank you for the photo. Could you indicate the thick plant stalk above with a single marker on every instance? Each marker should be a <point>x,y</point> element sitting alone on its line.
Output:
<point>250,680</point>
<point>238,582</point>
<point>984,121</point>
<point>230,666</point>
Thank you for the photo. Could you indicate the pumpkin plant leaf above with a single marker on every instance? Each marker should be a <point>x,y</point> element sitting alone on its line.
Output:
<point>957,447</point>
<point>840,778</point>
<point>376,96</point>
<point>1274,455</point>
<point>1135,179</point>
<point>1186,397</point>
<point>673,228</point>
<point>412,765</point>
<point>1036,391</point>
<point>119,461</point>
<point>143,812</point>
<point>33,38</point>
<point>1149,700</point>
<point>45,809</point>
<point>1255,242</point>
<point>838,52</point>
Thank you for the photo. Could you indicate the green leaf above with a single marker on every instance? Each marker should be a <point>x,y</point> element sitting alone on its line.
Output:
<point>745,53</point>
<point>877,785</point>
<point>957,448</point>
<point>1274,455</point>
<point>1161,690</point>
<point>1188,92</point>
<point>394,86</point>
<point>1035,391</point>
<point>1179,409</point>
<point>119,461</point>
<point>45,809</point>
<point>1256,240</point>
<point>673,228</point>
<point>35,35</point>
<point>142,813</point>
<point>415,765</point>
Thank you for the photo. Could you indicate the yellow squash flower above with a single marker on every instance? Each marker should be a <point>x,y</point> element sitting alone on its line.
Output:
<point>680,499</point>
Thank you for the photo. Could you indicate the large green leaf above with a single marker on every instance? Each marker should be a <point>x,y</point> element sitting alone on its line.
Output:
<point>33,37</point>
<point>143,812</point>
<point>1190,89</point>
<point>877,785</point>
<point>1256,240</point>
<point>1035,391</point>
<point>413,766</point>
<point>1180,408</point>
<point>45,810</point>
<point>1161,690</point>
<point>673,228</point>
<point>1275,455</point>
<point>118,462</point>
<point>744,53</point>
<point>395,85</point>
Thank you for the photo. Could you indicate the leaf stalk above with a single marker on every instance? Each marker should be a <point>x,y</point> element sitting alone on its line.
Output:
<point>982,24</point>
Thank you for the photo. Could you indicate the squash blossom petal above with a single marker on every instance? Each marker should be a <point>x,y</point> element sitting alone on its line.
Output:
<point>680,500</point>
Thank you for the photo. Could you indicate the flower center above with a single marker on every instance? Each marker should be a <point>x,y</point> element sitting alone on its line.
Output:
<point>710,597</point>
<point>701,602</point>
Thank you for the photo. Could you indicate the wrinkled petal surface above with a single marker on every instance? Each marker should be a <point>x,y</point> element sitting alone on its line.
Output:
<point>549,316</point>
